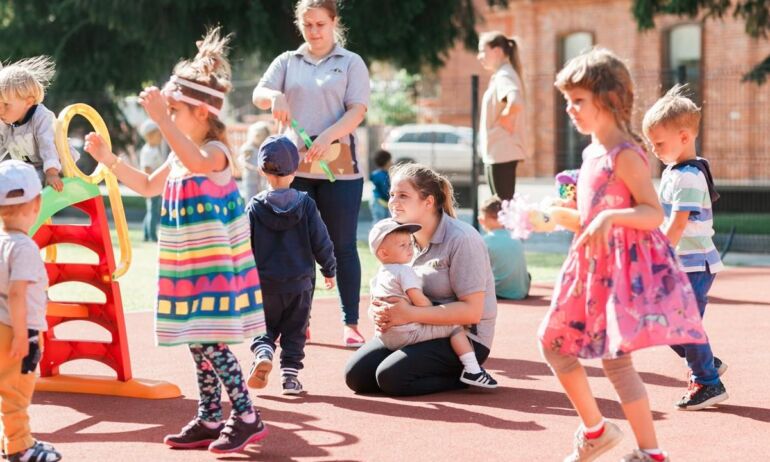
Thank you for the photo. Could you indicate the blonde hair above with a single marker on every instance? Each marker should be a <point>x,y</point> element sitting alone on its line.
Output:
<point>27,78</point>
<point>428,182</point>
<point>331,8</point>
<point>496,39</point>
<point>257,133</point>
<point>607,77</point>
<point>673,109</point>
<point>209,68</point>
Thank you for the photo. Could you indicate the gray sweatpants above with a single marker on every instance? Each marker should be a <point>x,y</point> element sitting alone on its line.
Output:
<point>398,337</point>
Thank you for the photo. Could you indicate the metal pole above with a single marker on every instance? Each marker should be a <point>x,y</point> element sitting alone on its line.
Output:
<point>474,154</point>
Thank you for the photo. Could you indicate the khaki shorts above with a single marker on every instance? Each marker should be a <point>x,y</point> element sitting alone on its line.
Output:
<point>409,334</point>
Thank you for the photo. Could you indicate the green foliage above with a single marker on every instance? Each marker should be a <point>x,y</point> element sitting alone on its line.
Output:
<point>109,48</point>
<point>392,101</point>
<point>754,13</point>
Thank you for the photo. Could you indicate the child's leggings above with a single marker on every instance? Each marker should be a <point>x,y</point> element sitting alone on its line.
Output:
<point>216,366</point>
<point>620,371</point>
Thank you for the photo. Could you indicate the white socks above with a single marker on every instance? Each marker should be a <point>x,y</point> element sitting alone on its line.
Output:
<point>470,362</point>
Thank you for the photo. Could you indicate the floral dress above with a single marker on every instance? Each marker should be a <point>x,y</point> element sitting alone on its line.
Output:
<point>632,297</point>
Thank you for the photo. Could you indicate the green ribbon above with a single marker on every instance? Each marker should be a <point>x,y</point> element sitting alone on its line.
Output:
<point>308,142</point>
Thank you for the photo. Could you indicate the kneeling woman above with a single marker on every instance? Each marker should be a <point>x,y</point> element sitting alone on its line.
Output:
<point>454,266</point>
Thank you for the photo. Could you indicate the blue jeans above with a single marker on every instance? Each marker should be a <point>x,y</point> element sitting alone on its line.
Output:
<point>339,203</point>
<point>151,218</point>
<point>699,357</point>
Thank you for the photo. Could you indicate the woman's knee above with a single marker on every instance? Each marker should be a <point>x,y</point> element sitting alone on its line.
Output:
<point>391,380</point>
<point>559,363</point>
<point>627,382</point>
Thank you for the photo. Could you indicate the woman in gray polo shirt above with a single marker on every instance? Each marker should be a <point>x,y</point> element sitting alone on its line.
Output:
<point>453,263</point>
<point>325,88</point>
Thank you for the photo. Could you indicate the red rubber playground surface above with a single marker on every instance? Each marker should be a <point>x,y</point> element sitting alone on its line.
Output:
<point>526,419</point>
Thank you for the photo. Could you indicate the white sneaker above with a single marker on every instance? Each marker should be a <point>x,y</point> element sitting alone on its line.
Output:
<point>586,450</point>
<point>640,456</point>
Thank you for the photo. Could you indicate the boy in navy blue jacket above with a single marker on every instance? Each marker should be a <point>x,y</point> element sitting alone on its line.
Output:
<point>287,238</point>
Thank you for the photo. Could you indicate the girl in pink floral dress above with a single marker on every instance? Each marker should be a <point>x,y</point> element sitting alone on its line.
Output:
<point>620,288</point>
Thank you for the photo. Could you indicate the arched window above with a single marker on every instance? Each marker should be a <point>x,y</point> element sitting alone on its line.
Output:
<point>569,143</point>
<point>683,59</point>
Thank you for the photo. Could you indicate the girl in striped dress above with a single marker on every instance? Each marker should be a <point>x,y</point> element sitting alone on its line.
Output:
<point>208,294</point>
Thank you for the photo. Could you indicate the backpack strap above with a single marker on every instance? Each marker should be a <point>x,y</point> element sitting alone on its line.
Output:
<point>703,166</point>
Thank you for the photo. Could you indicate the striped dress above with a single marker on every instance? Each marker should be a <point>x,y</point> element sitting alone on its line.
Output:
<point>208,287</point>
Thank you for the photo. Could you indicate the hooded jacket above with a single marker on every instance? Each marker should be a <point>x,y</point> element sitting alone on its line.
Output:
<point>287,238</point>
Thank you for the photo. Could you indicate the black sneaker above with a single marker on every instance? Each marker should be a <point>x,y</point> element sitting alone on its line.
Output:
<point>482,379</point>
<point>237,434</point>
<point>260,370</point>
<point>194,435</point>
<point>291,385</point>
<point>699,396</point>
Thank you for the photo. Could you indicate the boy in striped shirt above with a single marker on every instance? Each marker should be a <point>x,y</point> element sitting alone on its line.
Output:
<point>686,193</point>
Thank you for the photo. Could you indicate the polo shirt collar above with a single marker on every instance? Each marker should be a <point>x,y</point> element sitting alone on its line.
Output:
<point>302,51</point>
<point>440,233</point>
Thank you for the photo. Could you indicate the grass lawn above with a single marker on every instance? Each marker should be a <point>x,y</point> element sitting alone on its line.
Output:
<point>138,285</point>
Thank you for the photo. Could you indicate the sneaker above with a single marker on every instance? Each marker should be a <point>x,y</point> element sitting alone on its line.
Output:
<point>38,452</point>
<point>482,379</point>
<point>585,450</point>
<point>237,434</point>
<point>351,338</point>
<point>699,396</point>
<point>291,385</point>
<point>260,370</point>
<point>640,456</point>
<point>194,435</point>
<point>718,365</point>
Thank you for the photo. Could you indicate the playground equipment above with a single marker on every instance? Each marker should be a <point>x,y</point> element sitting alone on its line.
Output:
<point>81,191</point>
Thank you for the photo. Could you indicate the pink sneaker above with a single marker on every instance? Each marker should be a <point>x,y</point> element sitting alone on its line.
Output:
<point>351,338</point>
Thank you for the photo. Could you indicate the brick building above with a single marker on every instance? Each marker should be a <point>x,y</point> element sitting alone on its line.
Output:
<point>710,55</point>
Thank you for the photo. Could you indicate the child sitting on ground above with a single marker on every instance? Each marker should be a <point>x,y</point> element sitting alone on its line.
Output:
<point>506,254</point>
<point>391,243</point>
<point>686,192</point>
<point>23,282</point>
<point>287,238</point>
<point>29,134</point>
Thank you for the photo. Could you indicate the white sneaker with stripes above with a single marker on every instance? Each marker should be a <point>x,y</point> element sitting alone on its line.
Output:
<point>481,379</point>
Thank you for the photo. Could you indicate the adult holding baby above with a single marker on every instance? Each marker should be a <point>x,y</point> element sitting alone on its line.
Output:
<point>325,89</point>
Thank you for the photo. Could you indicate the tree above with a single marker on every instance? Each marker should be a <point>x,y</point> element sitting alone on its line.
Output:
<point>755,14</point>
<point>393,100</point>
<point>109,48</point>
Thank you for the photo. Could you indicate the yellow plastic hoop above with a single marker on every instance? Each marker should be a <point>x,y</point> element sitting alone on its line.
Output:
<point>70,169</point>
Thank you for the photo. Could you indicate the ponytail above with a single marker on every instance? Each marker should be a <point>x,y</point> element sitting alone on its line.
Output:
<point>510,47</point>
<point>428,182</point>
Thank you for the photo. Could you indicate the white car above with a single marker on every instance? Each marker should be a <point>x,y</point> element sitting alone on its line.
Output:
<point>445,148</point>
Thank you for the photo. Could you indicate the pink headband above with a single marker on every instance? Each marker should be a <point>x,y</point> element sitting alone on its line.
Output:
<point>179,96</point>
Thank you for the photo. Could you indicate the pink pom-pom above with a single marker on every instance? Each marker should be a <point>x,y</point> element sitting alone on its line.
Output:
<point>515,217</point>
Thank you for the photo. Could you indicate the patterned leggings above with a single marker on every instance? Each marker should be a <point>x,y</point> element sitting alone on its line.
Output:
<point>216,366</point>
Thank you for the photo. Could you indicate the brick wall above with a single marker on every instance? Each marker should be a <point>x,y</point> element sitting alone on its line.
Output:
<point>736,125</point>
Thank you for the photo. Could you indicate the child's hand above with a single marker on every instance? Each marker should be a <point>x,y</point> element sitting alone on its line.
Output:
<point>96,146</point>
<point>53,180</point>
<point>329,283</point>
<point>19,345</point>
<point>595,236</point>
<point>154,103</point>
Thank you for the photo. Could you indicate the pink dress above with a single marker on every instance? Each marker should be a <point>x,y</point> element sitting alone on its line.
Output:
<point>632,297</point>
